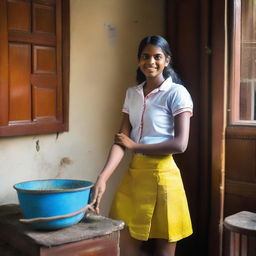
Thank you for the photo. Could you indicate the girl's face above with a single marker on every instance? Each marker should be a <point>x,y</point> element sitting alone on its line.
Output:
<point>153,61</point>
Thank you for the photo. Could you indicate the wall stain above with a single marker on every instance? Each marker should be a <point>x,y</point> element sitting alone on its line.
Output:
<point>65,161</point>
<point>111,32</point>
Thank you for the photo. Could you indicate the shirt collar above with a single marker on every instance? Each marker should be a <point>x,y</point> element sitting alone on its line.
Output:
<point>165,86</point>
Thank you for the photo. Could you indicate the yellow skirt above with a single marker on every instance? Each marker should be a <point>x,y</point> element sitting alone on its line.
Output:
<point>151,200</point>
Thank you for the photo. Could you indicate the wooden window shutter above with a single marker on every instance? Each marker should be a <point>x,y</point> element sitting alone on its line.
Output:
<point>34,66</point>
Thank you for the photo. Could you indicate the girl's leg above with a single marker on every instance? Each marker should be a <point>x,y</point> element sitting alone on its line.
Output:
<point>164,248</point>
<point>128,245</point>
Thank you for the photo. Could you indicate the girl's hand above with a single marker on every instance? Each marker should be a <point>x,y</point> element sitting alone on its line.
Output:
<point>124,140</point>
<point>98,191</point>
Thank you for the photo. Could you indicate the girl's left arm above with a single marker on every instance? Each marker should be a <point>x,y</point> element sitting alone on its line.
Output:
<point>176,145</point>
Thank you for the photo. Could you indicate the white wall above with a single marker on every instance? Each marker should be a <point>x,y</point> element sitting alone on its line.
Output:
<point>104,39</point>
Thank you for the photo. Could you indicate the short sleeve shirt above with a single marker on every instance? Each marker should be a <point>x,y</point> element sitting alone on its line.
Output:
<point>152,117</point>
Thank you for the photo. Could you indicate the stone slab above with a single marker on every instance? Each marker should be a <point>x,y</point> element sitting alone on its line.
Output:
<point>91,226</point>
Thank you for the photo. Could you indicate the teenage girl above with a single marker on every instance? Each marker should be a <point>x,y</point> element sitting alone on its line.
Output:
<point>156,118</point>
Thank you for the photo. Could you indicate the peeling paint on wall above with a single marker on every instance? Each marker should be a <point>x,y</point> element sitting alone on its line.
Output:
<point>37,146</point>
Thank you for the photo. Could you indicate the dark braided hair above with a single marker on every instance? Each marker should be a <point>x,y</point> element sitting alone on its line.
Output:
<point>160,42</point>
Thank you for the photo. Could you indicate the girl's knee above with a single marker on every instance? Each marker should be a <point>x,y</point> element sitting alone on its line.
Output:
<point>128,245</point>
<point>164,248</point>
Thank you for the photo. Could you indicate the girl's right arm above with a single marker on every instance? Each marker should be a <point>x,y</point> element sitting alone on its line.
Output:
<point>114,158</point>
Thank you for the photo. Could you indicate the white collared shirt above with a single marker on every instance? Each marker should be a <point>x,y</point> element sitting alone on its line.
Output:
<point>152,117</point>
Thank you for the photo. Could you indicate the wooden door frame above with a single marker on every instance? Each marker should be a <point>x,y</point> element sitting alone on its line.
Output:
<point>211,32</point>
<point>218,123</point>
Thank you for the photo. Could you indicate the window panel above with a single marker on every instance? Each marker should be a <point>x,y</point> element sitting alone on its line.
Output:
<point>19,83</point>
<point>248,61</point>
<point>243,75</point>
<point>19,15</point>
<point>44,103</point>
<point>44,59</point>
<point>44,19</point>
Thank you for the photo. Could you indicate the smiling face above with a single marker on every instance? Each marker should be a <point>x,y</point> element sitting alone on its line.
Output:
<point>152,62</point>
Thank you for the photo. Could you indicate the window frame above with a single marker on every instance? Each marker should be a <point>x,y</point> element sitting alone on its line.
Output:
<point>33,127</point>
<point>233,109</point>
<point>234,75</point>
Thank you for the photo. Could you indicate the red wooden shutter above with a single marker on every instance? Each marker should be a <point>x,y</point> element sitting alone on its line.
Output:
<point>34,95</point>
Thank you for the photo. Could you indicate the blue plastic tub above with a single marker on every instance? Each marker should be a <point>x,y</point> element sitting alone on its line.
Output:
<point>53,198</point>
